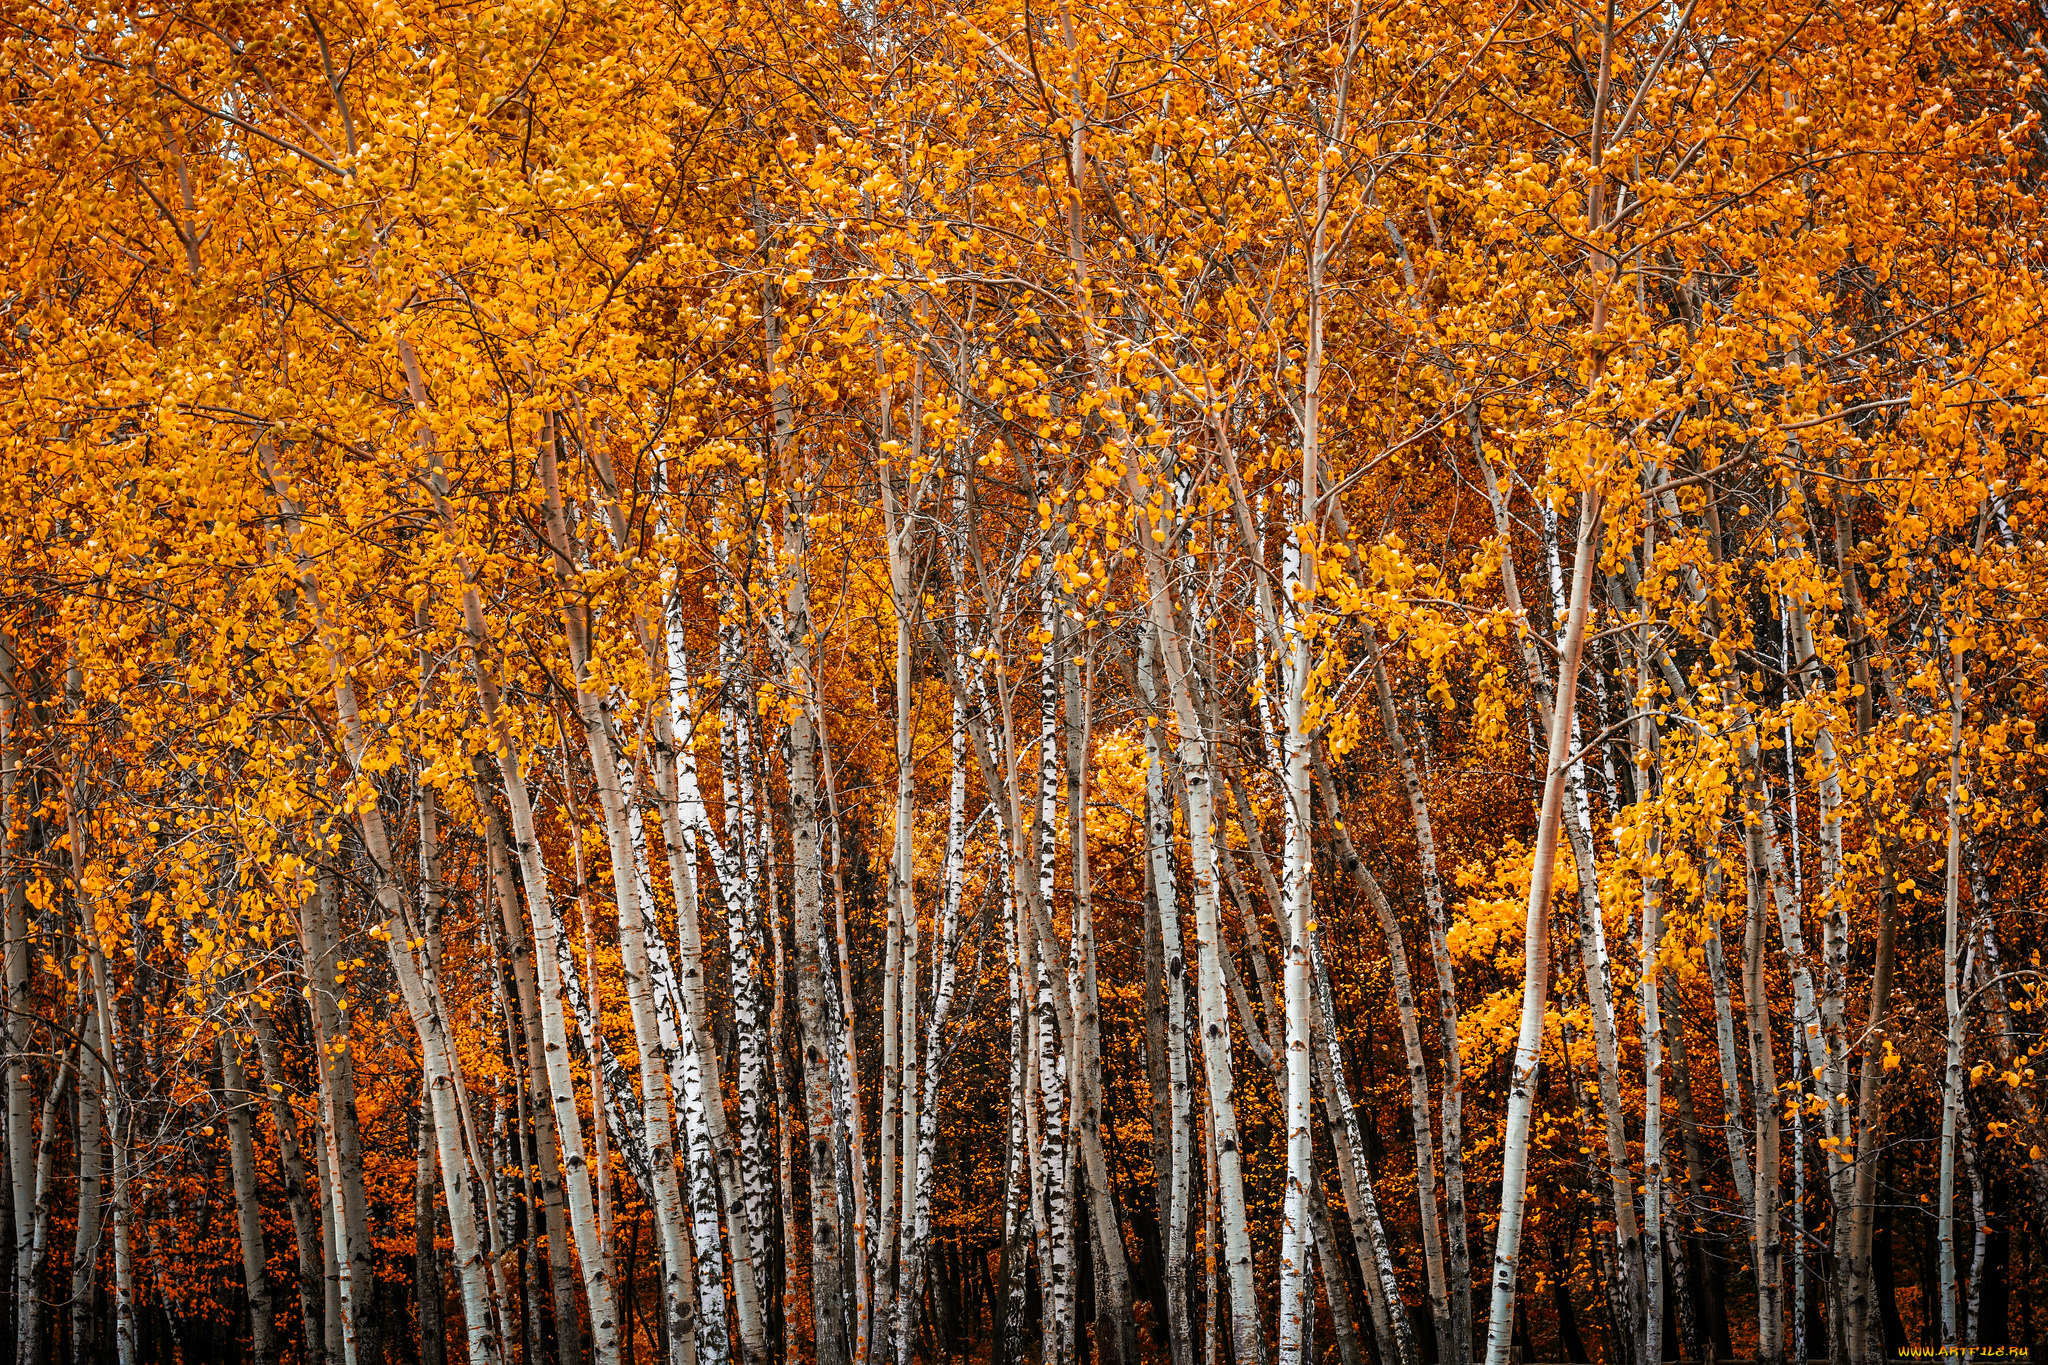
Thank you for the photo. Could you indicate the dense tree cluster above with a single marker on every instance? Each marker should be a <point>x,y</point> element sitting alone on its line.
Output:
<point>704,680</point>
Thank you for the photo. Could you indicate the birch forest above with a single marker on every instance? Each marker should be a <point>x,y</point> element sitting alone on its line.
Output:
<point>1068,682</point>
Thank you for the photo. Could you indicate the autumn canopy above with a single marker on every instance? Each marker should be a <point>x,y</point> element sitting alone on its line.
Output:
<point>1212,682</point>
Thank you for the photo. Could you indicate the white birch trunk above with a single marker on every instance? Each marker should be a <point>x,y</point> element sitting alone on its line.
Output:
<point>1577,829</point>
<point>1411,1041</point>
<point>37,1213</point>
<point>1152,526</point>
<point>828,1277</point>
<point>734,859</point>
<point>1725,1033</point>
<point>654,1040</point>
<point>1298,585</point>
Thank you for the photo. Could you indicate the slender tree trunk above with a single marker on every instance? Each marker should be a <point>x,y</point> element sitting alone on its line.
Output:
<point>828,1276</point>
<point>30,1328</point>
<point>1576,826</point>
<point>1862,1347</point>
<point>1763,1064</point>
<point>88,1147</point>
<point>1177,1166</point>
<point>426,1275</point>
<point>2024,1102</point>
<point>292,1162</point>
<point>428,1019</point>
<point>343,1136</point>
<point>1297,1285</point>
<point>1732,1130</point>
<point>1395,1333</point>
<point>1710,1339</point>
<point>1336,1283</point>
<point>18,1027</point>
<point>916,1248</point>
<point>340,1344</point>
<point>1417,1065</point>
<point>785,1120</point>
<point>612,773</point>
<point>683,816</point>
<point>237,1100</point>
<point>1018,1224</point>
<point>898,1115</point>
<point>1116,1320</point>
<point>1150,530</point>
<point>554,960</point>
<point>1649,785</point>
<point>1536,941</point>
<point>1451,1090</point>
<point>1951,972</point>
<point>735,862</point>
<point>28,1145</point>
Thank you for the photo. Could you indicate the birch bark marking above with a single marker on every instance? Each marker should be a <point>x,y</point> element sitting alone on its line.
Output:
<point>735,861</point>
<point>1057,1073</point>
<point>685,818</point>
<point>1116,1322</point>
<point>1299,587</point>
<point>1536,972</point>
<point>88,1149</point>
<point>1298,580</point>
<point>39,1201</point>
<point>917,1237</point>
<point>1396,1334</point>
<point>560,1150</point>
<point>427,1291</point>
<point>1577,831</point>
<point>1764,1070</point>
